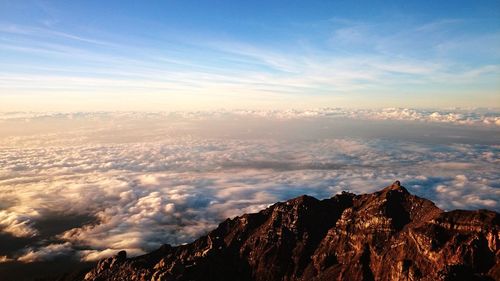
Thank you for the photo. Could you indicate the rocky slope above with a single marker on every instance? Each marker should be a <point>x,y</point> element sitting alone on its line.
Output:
<point>386,235</point>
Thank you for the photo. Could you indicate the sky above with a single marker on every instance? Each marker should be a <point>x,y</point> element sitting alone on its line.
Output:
<point>128,124</point>
<point>192,55</point>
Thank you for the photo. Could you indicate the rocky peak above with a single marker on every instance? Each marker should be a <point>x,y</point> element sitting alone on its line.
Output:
<point>396,186</point>
<point>387,235</point>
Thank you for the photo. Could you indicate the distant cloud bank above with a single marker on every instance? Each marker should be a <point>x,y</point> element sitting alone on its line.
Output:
<point>488,117</point>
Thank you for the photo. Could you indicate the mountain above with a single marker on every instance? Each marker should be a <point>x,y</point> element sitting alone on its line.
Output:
<point>387,235</point>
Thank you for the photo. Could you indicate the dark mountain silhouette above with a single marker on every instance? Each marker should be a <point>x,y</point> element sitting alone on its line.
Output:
<point>386,235</point>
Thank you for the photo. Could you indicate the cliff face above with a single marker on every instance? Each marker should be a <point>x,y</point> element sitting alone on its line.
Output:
<point>386,235</point>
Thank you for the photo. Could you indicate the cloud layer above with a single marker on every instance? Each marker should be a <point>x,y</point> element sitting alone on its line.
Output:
<point>452,116</point>
<point>148,180</point>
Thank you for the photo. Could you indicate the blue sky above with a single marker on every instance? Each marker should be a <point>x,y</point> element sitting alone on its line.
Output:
<point>170,55</point>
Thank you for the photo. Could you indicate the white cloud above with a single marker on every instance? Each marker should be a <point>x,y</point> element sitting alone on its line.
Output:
<point>5,259</point>
<point>456,116</point>
<point>18,224</point>
<point>48,252</point>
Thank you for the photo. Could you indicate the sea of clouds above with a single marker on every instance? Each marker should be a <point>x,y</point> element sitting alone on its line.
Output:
<point>133,181</point>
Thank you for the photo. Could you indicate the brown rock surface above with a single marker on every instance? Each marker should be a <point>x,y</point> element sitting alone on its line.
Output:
<point>386,235</point>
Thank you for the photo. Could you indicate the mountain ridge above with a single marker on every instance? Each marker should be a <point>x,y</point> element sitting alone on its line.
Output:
<point>386,235</point>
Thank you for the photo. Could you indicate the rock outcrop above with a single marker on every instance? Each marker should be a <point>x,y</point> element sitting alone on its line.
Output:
<point>386,235</point>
